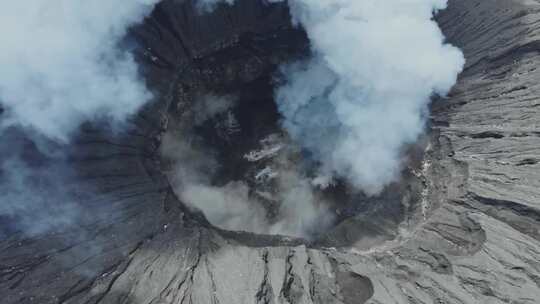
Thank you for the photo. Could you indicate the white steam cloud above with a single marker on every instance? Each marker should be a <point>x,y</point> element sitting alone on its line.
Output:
<point>364,93</point>
<point>61,64</point>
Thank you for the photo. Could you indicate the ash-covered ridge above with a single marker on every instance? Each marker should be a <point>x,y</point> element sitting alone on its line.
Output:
<point>472,236</point>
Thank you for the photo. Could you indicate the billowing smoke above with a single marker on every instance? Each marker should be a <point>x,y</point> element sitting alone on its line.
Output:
<point>61,63</point>
<point>245,204</point>
<point>364,92</point>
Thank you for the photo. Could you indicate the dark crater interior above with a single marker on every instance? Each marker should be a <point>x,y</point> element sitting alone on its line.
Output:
<point>248,70</point>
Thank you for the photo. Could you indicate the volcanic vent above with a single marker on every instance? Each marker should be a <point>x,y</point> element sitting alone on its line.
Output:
<point>226,154</point>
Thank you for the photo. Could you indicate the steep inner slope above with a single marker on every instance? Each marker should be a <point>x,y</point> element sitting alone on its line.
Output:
<point>474,238</point>
<point>242,142</point>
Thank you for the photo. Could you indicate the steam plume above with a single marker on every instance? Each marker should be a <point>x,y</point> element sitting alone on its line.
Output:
<point>61,63</point>
<point>364,92</point>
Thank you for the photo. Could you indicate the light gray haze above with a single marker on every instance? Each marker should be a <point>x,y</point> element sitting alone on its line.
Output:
<point>61,64</point>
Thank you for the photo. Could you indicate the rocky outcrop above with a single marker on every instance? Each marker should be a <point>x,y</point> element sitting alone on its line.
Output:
<point>473,237</point>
